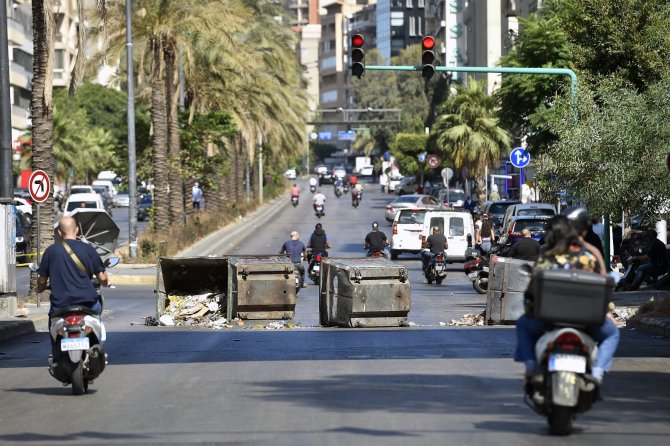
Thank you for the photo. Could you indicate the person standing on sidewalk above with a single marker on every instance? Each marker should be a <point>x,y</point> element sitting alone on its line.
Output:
<point>196,196</point>
<point>296,251</point>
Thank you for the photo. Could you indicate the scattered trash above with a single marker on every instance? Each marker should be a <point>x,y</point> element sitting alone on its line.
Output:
<point>151,321</point>
<point>166,320</point>
<point>470,319</point>
<point>275,325</point>
<point>22,312</point>
<point>443,324</point>
<point>622,314</point>
<point>202,310</point>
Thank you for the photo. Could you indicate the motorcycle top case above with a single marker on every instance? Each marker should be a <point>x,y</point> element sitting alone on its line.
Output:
<point>365,292</point>
<point>571,296</point>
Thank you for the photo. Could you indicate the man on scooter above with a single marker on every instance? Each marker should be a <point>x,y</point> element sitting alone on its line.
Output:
<point>435,244</point>
<point>376,240</point>
<point>318,243</point>
<point>319,199</point>
<point>296,251</point>
<point>69,266</point>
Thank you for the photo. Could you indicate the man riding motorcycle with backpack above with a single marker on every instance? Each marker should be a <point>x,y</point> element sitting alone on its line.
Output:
<point>318,244</point>
<point>376,240</point>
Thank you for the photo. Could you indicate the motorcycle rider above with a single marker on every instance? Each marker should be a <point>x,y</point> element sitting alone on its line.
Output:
<point>296,251</point>
<point>357,191</point>
<point>295,190</point>
<point>319,199</point>
<point>526,248</point>
<point>655,256</point>
<point>68,266</point>
<point>313,182</point>
<point>318,243</point>
<point>375,240</point>
<point>581,221</point>
<point>485,234</point>
<point>564,249</point>
<point>435,244</point>
<point>338,184</point>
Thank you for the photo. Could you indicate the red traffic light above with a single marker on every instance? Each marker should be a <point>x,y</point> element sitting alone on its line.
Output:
<point>428,43</point>
<point>357,41</point>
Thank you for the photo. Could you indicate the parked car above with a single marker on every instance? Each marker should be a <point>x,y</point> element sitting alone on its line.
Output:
<point>291,174</point>
<point>86,200</point>
<point>456,226</point>
<point>496,211</point>
<point>23,247</point>
<point>527,209</point>
<point>406,186</point>
<point>406,233</point>
<point>393,180</point>
<point>536,224</point>
<point>109,184</point>
<point>455,198</point>
<point>26,207</point>
<point>409,202</point>
<point>22,192</point>
<point>122,199</point>
<point>145,207</point>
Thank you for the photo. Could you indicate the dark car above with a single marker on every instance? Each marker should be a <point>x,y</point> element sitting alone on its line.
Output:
<point>145,207</point>
<point>327,177</point>
<point>23,248</point>
<point>496,211</point>
<point>537,225</point>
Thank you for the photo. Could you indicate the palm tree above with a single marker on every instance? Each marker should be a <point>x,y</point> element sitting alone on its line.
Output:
<point>467,132</point>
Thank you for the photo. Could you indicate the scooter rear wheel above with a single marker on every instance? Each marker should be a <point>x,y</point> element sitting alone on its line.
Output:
<point>79,383</point>
<point>560,420</point>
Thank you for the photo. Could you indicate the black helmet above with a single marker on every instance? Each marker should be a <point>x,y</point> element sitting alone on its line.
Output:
<point>318,226</point>
<point>375,225</point>
<point>579,218</point>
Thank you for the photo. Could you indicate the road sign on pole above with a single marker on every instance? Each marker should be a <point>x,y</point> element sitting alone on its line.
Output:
<point>433,161</point>
<point>39,186</point>
<point>519,157</point>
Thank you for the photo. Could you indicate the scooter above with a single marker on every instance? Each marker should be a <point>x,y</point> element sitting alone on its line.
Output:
<point>355,199</point>
<point>437,269</point>
<point>312,188</point>
<point>314,268</point>
<point>319,210</point>
<point>78,334</point>
<point>294,200</point>
<point>338,191</point>
<point>478,273</point>
<point>345,188</point>
<point>563,387</point>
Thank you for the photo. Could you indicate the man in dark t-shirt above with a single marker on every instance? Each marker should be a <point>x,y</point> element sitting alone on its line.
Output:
<point>526,248</point>
<point>70,283</point>
<point>296,251</point>
<point>436,243</point>
<point>375,240</point>
<point>656,257</point>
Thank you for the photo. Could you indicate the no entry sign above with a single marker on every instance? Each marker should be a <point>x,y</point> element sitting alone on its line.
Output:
<point>39,186</point>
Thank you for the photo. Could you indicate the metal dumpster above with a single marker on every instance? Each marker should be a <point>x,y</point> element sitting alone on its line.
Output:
<point>262,287</point>
<point>507,283</point>
<point>255,287</point>
<point>368,292</point>
<point>190,275</point>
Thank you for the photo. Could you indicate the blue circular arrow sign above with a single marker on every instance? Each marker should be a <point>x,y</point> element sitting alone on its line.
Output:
<point>519,157</point>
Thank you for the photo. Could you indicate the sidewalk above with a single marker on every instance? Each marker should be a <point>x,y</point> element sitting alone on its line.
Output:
<point>146,274</point>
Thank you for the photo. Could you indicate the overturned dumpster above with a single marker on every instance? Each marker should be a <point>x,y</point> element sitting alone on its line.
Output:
<point>507,283</point>
<point>246,287</point>
<point>368,292</point>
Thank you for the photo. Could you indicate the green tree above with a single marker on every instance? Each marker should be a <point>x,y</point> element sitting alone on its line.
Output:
<point>467,132</point>
<point>613,158</point>
<point>406,149</point>
<point>526,100</point>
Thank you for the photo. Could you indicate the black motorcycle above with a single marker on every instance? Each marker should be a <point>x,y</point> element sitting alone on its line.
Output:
<point>314,268</point>
<point>355,199</point>
<point>294,200</point>
<point>436,271</point>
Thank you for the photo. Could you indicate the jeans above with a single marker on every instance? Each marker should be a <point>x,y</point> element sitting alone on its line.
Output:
<point>644,270</point>
<point>485,245</point>
<point>529,330</point>
<point>426,256</point>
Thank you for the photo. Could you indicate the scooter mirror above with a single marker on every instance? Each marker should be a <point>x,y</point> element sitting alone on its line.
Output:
<point>111,262</point>
<point>33,266</point>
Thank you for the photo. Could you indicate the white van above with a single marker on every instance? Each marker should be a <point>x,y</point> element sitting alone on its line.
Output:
<point>456,226</point>
<point>88,200</point>
<point>406,232</point>
<point>111,189</point>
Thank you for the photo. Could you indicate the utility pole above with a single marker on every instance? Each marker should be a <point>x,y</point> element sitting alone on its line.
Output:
<point>260,167</point>
<point>7,223</point>
<point>132,161</point>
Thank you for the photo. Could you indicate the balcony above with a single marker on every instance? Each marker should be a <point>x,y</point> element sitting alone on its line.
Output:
<point>19,76</point>
<point>20,117</point>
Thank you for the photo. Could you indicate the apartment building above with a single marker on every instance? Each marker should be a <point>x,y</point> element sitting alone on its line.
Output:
<point>65,42</point>
<point>20,40</point>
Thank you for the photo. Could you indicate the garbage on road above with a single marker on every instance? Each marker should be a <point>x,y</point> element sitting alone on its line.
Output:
<point>622,314</point>
<point>203,310</point>
<point>467,320</point>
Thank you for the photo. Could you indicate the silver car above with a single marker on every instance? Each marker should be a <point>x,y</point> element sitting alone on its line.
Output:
<point>413,201</point>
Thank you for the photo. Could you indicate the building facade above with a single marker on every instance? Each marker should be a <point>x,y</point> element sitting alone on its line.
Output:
<point>20,40</point>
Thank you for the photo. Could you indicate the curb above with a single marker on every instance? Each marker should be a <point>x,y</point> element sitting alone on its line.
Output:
<point>128,279</point>
<point>659,326</point>
<point>13,328</point>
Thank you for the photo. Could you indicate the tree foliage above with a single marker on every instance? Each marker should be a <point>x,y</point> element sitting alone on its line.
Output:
<point>613,158</point>
<point>406,149</point>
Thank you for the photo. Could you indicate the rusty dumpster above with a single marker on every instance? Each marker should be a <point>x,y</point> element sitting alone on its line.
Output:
<point>366,292</point>
<point>507,283</point>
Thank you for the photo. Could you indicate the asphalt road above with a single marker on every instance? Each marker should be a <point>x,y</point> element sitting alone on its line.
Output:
<point>427,384</point>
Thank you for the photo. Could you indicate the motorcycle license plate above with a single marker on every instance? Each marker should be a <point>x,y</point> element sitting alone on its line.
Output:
<point>68,344</point>
<point>567,363</point>
<point>316,268</point>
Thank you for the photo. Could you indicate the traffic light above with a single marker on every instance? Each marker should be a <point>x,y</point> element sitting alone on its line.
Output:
<point>428,57</point>
<point>357,55</point>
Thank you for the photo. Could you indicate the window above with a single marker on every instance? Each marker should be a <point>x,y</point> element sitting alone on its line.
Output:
<point>421,3</point>
<point>59,63</point>
<point>409,3</point>
<point>397,18</point>
<point>411,217</point>
<point>436,221</point>
<point>456,226</point>
<point>418,26</point>
<point>412,26</point>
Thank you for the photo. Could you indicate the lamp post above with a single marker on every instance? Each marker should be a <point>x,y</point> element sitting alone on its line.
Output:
<point>132,162</point>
